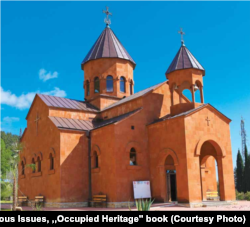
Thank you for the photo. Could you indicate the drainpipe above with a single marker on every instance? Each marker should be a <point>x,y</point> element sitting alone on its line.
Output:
<point>88,134</point>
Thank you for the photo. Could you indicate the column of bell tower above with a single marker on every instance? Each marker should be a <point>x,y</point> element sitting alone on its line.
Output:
<point>185,72</point>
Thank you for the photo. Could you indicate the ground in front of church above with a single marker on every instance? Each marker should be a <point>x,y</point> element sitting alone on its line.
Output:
<point>241,205</point>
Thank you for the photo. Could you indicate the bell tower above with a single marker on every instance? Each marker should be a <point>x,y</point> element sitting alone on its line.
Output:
<point>108,70</point>
<point>185,72</point>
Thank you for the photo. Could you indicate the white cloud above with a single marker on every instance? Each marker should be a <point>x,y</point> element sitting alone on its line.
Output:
<point>10,119</point>
<point>56,92</point>
<point>24,100</point>
<point>44,76</point>
<point>7,123</point>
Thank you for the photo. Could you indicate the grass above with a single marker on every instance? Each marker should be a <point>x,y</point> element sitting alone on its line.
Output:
<point>5,210</point>
<point>3,201</point>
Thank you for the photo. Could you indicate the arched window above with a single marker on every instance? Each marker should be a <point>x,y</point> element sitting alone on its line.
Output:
<point>109,83</point>
<point>122,84</point>
<point>97,85</point>
<point>87,88</point>
<point>33,165</point>
<point>23,168</point>
<point>39,164</point>
<point>188,94</point>
<point>96,161</point>
<point>51,158</point>
<point>132,157</point>
<point>131,88</point>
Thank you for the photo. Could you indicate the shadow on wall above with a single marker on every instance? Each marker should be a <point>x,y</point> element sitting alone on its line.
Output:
<point>74,172</point>
<point>154,112</point>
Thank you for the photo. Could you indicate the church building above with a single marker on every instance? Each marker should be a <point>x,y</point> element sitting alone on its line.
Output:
<point>102,144</point>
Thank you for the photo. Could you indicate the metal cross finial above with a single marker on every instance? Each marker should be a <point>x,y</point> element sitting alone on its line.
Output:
<point>107,21</point>
<point>182,33</point>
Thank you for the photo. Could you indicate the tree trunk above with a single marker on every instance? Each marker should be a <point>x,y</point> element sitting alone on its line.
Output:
<point>14,194</point>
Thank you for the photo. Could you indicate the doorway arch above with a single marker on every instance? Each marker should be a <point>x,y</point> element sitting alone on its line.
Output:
<point>211,171</point>
<point>168,168</point>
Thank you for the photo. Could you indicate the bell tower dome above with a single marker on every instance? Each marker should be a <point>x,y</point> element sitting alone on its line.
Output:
<point>108,70</point>
<point>185,72</point>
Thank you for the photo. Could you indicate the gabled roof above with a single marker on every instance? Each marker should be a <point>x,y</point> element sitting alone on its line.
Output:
<point>134,96</point>
<point>184,60</point>
<point>168,116</point>
<point>107,46</point>
<point>58,102</point>
<point>85,125</point>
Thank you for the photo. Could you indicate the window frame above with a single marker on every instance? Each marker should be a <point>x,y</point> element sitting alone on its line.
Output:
<point>97,85</point>
<point>87,88</point>
<point>132,153</point>
<point>109,78</point>
<point>123,82</point>
<point>52,162</point>
<point>39,164</point>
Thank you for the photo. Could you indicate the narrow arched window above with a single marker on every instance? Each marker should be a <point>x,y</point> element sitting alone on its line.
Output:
<point>109,83</point>
<point>132,156</point>
<point>131,88</point>
<point>39,164</point>
<point>51,158</point>
<point>87,88</point>
<point>96,161</point>
<point>23,168</point>
<point>33,165</point>
<point>122,84</point>
<point>97,85</point>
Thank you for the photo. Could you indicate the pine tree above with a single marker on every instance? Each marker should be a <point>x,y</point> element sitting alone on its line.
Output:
<point>246,175</point>
<point>239,172</point>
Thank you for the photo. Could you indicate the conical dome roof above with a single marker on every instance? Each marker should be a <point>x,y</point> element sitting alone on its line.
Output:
<point>107,46</point>
<point>184,60</point>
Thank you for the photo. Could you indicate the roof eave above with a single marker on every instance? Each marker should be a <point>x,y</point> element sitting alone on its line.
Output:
<point>167,73</point>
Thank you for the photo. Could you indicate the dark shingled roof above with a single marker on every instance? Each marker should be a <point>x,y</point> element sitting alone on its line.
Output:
<point>184,60</point>
<point>85,125</point>
<point>107,46</point>
<point>134,96</point>
<point>58,102</point>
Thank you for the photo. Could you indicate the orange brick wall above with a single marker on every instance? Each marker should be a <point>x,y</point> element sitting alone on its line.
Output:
<point>108,66</point>
<point>74,167</point>
<point>181,137</point>
<point>195,129</point>
<point>71,114</point>
<point>168,138</point>
<point>104,178</point>
<point>46,184</point>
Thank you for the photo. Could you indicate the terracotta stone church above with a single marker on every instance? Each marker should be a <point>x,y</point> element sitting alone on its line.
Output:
<point>101,144</point>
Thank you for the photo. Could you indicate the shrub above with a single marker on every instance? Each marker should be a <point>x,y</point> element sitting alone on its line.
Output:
<point>247,196</point>
<point>240,195</point>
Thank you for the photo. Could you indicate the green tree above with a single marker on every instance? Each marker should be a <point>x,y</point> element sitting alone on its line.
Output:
<point>10,140</point>
<point>5,159</point>
<point>246,174</point>
<point>239,172</point>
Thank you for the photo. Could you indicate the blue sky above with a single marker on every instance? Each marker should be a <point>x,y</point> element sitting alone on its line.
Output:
<point>43,44</point>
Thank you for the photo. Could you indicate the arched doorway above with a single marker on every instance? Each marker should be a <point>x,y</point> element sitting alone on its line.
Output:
<point>170,179</point>
<point>212,187</point>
